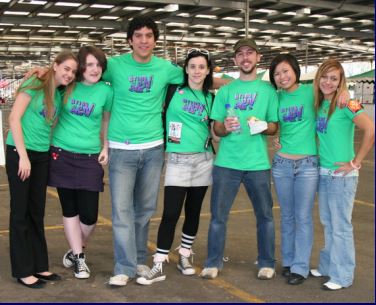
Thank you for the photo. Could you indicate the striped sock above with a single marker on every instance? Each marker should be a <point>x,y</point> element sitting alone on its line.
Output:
<point>187,241</point>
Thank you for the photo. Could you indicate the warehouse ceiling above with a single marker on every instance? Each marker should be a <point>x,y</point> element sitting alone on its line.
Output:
<point>32,32</point>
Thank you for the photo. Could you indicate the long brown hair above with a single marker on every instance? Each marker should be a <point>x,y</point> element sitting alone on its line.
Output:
<point>47,84</point>
<point>326,66</point>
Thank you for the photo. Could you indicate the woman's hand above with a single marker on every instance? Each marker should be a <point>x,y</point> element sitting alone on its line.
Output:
<point>103,157</point>
<point>276,144</point>
<point>38,71</point>
<point>24,168</point>
<point>344,167</point>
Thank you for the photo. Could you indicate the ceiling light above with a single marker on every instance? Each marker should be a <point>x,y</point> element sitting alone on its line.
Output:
<point>48,14</point>
<point>304,11</point>
<point>101,6</point>
<point>73,4</point>
<point>171,8</point>
<point>133,8</point>
<point>32,2</point>
<point>16,13</point>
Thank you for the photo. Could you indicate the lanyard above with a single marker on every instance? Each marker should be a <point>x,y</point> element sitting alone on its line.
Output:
<point>206,107</point>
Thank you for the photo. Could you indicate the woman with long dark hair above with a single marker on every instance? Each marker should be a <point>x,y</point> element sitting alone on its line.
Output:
<point>189,163</point>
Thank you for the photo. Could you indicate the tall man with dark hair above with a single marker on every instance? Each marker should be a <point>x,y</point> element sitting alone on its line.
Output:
<point>135,136</point>
<point>243,158</point>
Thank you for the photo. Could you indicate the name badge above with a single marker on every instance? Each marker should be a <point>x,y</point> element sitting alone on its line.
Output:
<point>174,132</point>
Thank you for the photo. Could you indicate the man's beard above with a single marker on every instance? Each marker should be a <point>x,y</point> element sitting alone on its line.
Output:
<point>249,71</point>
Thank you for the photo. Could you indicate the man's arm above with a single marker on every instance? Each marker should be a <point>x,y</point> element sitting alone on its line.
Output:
<point>219,82</point>
<point>272,129</point>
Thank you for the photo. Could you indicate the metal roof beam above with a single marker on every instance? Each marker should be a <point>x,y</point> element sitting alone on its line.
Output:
<point>333,5</point>
<point>267,26</point>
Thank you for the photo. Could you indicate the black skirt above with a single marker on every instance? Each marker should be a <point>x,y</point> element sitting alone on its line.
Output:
<point>75,171</point>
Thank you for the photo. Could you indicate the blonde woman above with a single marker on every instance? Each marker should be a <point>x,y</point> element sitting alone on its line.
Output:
<point>339,171</point>
<point>36,106</point>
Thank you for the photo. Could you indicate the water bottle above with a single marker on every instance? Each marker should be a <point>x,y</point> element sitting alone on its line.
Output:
<point>231,113</point>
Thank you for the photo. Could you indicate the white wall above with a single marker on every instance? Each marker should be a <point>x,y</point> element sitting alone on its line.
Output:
<point>370,110</point>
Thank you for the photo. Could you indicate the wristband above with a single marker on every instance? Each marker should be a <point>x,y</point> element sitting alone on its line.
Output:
<point>354,166</point>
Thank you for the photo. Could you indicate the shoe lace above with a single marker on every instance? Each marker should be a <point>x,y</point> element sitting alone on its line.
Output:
<point>81,265</point>
<point>157,268</point>
<point>184,262</point>
<point>70,256</point>
<point>191,255</point>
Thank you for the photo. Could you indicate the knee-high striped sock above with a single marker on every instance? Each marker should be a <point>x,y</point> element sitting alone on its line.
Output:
<point>186,243</point>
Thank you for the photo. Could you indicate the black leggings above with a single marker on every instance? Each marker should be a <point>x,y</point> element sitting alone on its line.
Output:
<point>173,202</point>
<point>79,202</point>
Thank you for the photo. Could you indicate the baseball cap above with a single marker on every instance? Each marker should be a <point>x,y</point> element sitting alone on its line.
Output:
<point>246,42</point>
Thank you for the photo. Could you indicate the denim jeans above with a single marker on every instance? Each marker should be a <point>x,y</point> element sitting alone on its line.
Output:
<point>134,184</point>
<point>336,201</point>
<point>296,184</point>
<point>226,183</point>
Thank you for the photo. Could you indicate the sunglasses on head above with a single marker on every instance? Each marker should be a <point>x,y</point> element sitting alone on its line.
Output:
<point>200,51</point>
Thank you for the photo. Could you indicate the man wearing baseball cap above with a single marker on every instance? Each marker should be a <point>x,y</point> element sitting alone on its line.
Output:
<point>243,158</point>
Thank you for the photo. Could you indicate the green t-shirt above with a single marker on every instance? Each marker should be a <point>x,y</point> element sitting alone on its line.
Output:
<point>189,111</point>
<point>36,129</point>
<point>139,91</point>
<point>79,125</point>
<point>297,119</point>
<point>336,135</point>
<point>249,98</point>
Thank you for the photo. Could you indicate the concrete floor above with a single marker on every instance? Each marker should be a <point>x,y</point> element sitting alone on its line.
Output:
<point>236,283</point>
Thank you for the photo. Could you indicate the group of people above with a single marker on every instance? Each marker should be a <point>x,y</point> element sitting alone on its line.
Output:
<point>93,123</point>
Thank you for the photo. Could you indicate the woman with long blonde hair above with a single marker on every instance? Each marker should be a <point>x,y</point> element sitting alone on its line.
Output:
<point>36,106</point>
<point>339,171</point>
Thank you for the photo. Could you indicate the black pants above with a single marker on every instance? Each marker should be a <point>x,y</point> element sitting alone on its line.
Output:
<point>79,202</point>
<point>28,247</point>
<point>173,202</point>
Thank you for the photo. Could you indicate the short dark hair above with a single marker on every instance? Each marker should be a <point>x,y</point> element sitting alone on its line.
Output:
<point>208,81</point>
<point>82,55</point>
<point>140,22</point>
<point>290,59</point>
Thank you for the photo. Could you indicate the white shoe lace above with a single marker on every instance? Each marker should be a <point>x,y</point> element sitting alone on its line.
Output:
<point>81,266</point>
<point>191,255</point>
<point>184,262</point>
<point>157,267</point>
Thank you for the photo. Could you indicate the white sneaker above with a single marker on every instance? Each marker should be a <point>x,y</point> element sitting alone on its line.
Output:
<point>266,273</point>
<point>184,265</point>
<point>315,273</point>
<point>142,270</point>
<point>81,270</point>
<point>155,275</point>
<point>68,259</point>
<point>331,286</point>
<point>119,280</point>
<point>209,273</point>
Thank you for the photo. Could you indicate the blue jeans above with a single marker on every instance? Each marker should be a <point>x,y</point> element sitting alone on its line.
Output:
<point>336,201</point>
<point>134,184</point>
<point>226,183</point>
<point>296,182</point>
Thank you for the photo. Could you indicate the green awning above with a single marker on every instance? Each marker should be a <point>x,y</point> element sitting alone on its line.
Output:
<point>365,76</point>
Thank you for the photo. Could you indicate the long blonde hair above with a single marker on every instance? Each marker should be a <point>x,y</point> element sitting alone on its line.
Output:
<point>47,84</point>
<point>326,66</point>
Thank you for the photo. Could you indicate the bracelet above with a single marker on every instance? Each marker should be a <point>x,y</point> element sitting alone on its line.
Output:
<point>354,166</point>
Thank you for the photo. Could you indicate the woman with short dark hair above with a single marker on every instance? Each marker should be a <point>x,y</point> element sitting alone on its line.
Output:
<point>77,155</point>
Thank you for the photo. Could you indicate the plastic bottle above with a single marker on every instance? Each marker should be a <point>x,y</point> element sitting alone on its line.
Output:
<point>231,113</point>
